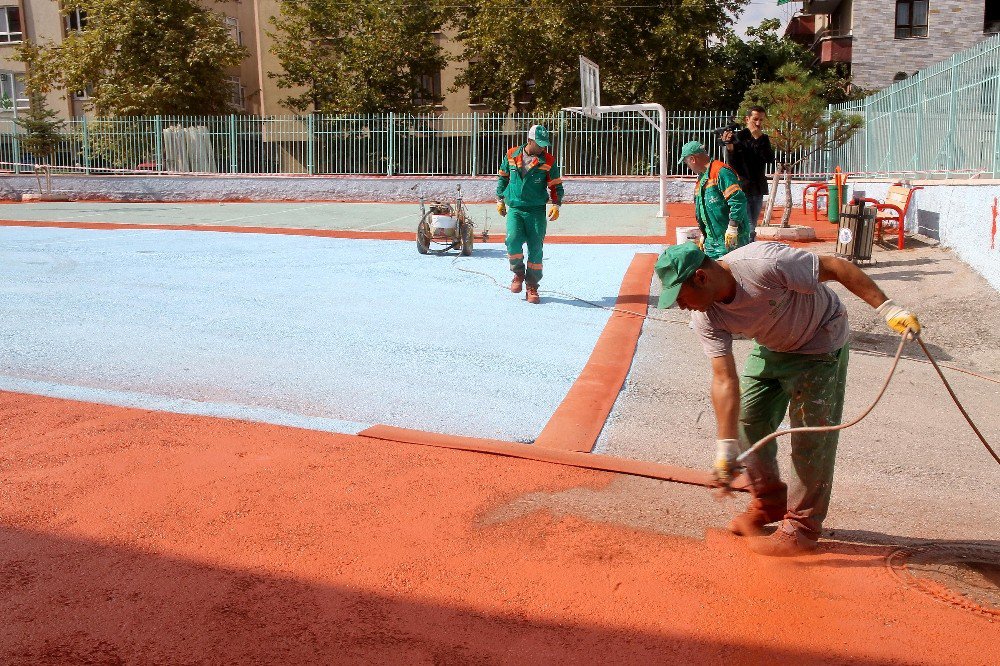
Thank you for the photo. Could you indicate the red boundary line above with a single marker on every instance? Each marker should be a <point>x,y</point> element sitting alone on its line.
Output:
<point>322,233</point>
<point>579,419</point>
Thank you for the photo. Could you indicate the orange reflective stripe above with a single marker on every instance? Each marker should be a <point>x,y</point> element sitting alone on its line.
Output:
<point>557,181</point>
<point>545,167</point>
<point>515,256</point>
<point>731,190</point>
<point>502,173</point>
<point>711,182</point>
<point>534,267</point>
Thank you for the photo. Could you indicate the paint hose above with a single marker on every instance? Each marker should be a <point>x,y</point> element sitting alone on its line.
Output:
<point>895,362</point>
<point>902,343</point>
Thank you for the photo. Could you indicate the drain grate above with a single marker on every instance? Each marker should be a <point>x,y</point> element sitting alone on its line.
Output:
<point>964,575</point>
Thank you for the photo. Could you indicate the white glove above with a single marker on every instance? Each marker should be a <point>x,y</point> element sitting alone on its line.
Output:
<point>725,467</point>
<point>732,236</point>
<point>900,320</point>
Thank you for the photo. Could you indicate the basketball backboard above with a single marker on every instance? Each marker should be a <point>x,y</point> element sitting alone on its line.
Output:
<point>590,88</point>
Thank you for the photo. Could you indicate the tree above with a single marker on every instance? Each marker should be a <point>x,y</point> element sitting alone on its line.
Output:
<point>755,59</point>
<point>799,123</point>
<point>653,51</point>
<point>41,136</point>
<point>357,56</point>
<point>141,57</point>
<point>758,58</point>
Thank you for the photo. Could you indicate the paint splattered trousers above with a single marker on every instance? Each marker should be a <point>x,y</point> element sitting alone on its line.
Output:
<point>526,226</point>
<point>811,388</point>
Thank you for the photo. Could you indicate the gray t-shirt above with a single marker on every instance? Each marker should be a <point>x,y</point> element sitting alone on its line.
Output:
<point>779,302</point>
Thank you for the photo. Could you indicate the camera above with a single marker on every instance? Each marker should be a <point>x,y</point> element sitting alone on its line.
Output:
<point>731,127</point>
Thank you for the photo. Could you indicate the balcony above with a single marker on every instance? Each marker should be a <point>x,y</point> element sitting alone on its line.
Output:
<point>834,48</point>
<point>802,29</point>
<point>820,6</point>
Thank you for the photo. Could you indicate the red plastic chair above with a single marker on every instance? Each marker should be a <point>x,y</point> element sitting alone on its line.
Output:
<point>819,189</point>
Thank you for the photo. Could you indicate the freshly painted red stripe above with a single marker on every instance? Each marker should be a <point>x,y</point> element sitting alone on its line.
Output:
<point>323,233</point>
<point>540,454</point>
<point>578,421</point>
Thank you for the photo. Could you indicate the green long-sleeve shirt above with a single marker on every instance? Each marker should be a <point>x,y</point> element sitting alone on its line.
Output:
<point>719,201</point>
<point>535,187</point>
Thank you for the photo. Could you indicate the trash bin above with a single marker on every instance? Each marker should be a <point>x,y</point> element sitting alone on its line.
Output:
<point>836,197</point>
<point>857,233</point>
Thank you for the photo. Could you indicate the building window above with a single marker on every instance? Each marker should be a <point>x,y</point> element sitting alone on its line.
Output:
<point>991,18</point>
<point>233,25</point>
<point>75,20</point>
<point>10,25</point>
<point>13,92</point>
<point>430,89</point>
<point>237,94</point>
<point>84,94</point>
<point>911,18</point>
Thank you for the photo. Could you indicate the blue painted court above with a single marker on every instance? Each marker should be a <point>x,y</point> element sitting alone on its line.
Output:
<point>321,333</point>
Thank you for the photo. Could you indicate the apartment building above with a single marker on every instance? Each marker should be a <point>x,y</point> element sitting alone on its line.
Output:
<point>883,41</point>
<point>253,91</point>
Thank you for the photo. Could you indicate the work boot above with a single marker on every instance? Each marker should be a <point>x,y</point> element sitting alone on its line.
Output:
<point>517,282</point>
<point>532,294</point>
<point>757,514</point>
<point>787,541</point>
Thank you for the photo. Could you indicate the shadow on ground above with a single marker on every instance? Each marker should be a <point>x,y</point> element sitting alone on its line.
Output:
<point>73,601</point>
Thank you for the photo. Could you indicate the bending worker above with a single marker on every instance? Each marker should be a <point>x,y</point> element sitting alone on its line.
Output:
<point>775,295</point>
<point>720,205</point>
<point>529,177</point>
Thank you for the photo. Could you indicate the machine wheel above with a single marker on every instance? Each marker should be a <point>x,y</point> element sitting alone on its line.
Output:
<point>423,236</point>
<point>467,239</point>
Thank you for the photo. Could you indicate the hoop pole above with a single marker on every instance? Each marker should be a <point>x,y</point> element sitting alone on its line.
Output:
<point>662,129</point>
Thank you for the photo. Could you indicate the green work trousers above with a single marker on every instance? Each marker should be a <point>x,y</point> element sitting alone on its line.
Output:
<point>526,225</point>
<point>811,388</point>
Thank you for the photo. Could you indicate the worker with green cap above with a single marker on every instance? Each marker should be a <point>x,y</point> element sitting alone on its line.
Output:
<point>529,177</point>
<point>720,205</point>
<point>775,295</point>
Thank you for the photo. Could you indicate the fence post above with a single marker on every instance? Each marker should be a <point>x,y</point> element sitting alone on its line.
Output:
<point>390,167</point>
<point>868,124</point>
<point>996,113</point>
<point>562,141</point>
<point>918,160</point>
<point>86,147</point>
<point>951,116</point>
<point>158,131</point>
<point>232,143</point>
<point>310,149</point>
<point>475,143</point>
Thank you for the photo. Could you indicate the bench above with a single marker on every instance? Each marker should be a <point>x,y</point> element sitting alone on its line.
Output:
<point>891,213</point>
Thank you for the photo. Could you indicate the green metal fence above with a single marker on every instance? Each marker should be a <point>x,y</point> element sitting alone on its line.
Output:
<point>619,144</point>
<point>942,122</point>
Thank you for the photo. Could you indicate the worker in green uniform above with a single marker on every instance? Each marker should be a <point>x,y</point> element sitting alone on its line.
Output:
<point>528,179</point>
<point>720,205</point>
<point>778,297</point>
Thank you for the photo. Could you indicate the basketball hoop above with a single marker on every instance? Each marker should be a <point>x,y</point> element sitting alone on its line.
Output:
<point>590,88</point>
<point>590,98</point>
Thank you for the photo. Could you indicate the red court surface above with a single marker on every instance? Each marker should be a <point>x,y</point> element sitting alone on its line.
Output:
<point>140,537</point>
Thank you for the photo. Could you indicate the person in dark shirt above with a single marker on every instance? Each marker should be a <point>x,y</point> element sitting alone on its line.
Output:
<point>749,152</point>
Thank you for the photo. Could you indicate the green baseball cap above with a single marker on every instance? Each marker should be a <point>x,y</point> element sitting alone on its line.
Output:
<point>691,148</point>
<point>540,135</point>
<point>675,265</point>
